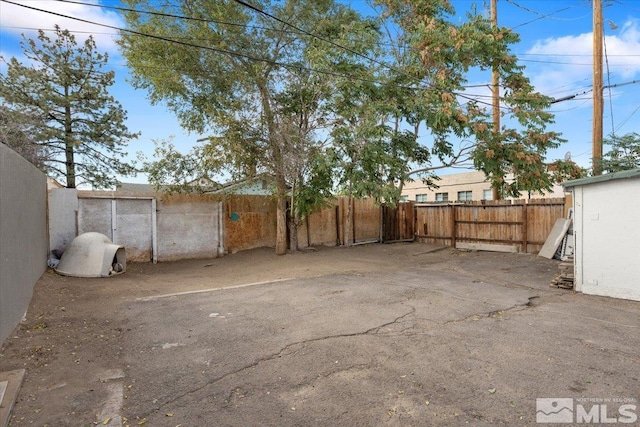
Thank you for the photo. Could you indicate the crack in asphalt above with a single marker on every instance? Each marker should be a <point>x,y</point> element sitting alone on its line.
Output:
<point>499,312</point>
<point>285,351</point>
<point>277,355</point>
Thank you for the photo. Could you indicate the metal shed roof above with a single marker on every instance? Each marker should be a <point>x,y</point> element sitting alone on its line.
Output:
<point>631,173</point>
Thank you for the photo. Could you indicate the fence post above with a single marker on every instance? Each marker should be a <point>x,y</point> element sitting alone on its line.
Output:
<point>525,226</point>
<point>453,225</point>
<point>338,220</point>
<point>568,204</point>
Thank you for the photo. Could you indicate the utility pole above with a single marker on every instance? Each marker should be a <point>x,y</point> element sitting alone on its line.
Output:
<point>597,88</point>
<point>495,88</point>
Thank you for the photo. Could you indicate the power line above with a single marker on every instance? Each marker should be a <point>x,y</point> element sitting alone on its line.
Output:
<point>256,9</point>
<point>586,100</point>
<point>544,16</point>
<point>569,63</point>
<point>168,15</point>
<point>628,118</point>
<point>53,29</point>
<point>243,55</point>
<point>469,97</point>
<point>223,51</point>
<point>606,57</point>
<point>574,54</point>
<point>323,39</point>
<point>609,86</point>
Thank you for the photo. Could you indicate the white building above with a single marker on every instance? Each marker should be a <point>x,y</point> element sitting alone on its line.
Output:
<point>461,186</point>
<point>607,234</point>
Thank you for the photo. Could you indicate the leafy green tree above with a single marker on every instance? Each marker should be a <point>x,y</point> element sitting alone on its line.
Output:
<point>441,55</point>
<point>241,76</point>
<point>72,116</point>
<point>624,153</point>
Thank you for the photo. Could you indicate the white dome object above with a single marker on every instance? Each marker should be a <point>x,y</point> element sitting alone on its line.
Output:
<point>92,255</point>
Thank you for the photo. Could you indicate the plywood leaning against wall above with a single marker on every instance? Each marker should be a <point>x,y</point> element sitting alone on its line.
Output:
<point>249,222</point>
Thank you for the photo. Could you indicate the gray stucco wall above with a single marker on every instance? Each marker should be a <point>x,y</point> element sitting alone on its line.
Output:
<point>23,236</point>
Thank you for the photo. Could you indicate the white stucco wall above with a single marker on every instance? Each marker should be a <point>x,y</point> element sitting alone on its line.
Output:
<point>607,232</point>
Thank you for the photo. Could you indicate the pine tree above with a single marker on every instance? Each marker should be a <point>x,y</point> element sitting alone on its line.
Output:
<point>73,118</point>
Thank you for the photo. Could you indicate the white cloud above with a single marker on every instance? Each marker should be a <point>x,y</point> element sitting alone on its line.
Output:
<point>18,19</point>
<point>574,54</point>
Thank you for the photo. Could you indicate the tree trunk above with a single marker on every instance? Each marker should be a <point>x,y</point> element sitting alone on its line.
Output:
<point>348,232</point>
<point>281,216</point>
<point>276,158</point>
<point>293,235</point>
<point>293,224</point>
<point>70,164</point>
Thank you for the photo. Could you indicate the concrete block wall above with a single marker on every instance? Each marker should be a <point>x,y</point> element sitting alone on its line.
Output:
<point>23,236</point>
<point>184,226</point>
<point>189,226</point>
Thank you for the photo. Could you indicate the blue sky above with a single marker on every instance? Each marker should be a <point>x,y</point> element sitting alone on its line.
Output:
<point>555,47</point>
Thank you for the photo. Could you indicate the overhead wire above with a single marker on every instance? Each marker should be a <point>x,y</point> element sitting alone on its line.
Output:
<point>167,15</point>
<point>628,118</point>
<point>586,100</point>
<point>470,97</point>
<point>224,51</point>
<point>296,28</point>
<point>568,63</point>
<point>545,15</point>
<point>244,55</point>
<point>573,54</point>
<point>315,36</point>
<point>606,57</point>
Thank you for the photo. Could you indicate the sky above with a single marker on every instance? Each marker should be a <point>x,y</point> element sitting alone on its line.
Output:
<point>555,48</point>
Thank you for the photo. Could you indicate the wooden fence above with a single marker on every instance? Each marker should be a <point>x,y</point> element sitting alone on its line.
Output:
<point>519,225</point>
<point>204,225</point>
<point>398,223</point>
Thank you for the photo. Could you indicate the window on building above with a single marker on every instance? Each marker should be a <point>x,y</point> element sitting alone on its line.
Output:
<point>421,198</point>
<point>442,197</point>
<point>465,195</point>
<point>487,194</point>
<point>404,198</point>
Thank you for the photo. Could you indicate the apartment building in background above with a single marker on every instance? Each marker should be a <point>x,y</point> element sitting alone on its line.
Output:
<point>462,187</point>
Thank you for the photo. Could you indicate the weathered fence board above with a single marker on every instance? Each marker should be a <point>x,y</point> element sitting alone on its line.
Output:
<point>523,222</point>
<point>399,222</point>
<point>192,225</point>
